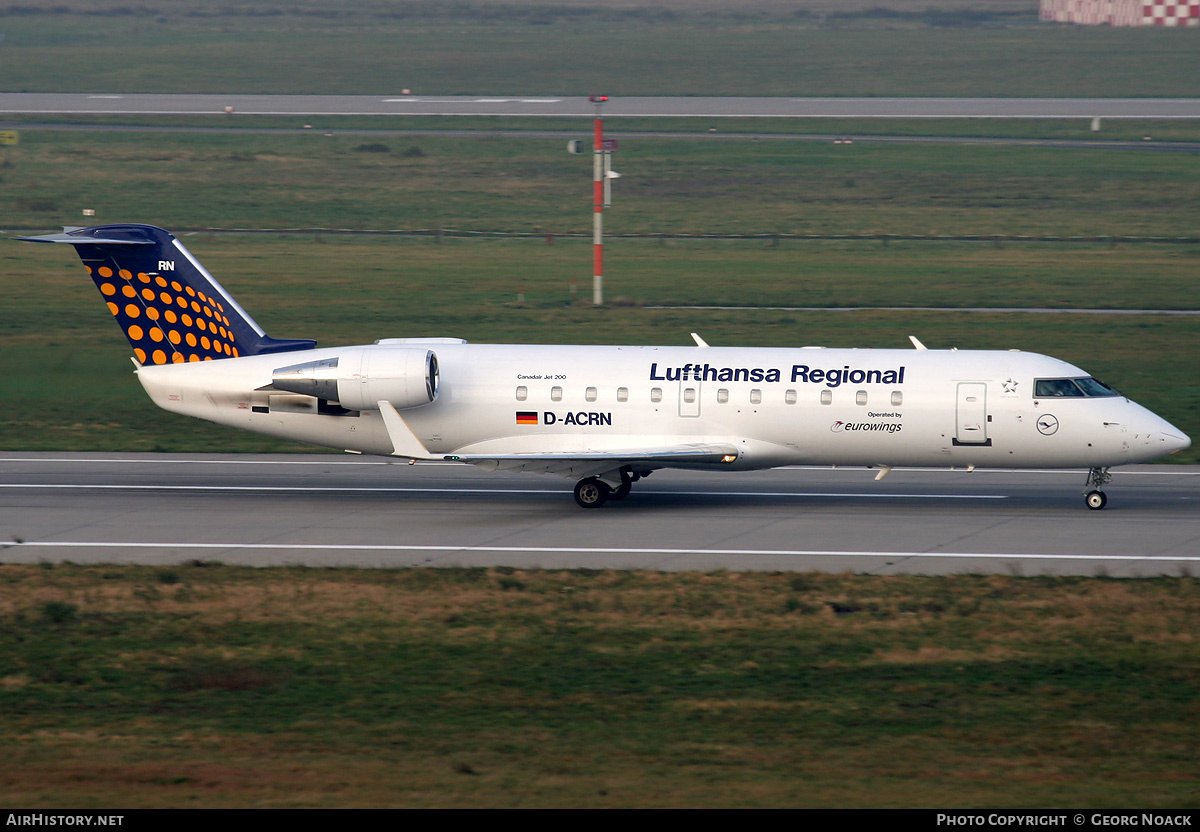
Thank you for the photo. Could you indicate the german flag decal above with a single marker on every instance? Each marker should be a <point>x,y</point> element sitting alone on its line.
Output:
<point>528,417</point>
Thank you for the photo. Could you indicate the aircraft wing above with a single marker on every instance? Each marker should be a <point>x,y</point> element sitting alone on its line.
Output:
<point>573,464</point>
<point>577,464</point>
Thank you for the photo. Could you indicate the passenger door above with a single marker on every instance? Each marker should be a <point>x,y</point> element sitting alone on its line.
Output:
<point>971,414</point>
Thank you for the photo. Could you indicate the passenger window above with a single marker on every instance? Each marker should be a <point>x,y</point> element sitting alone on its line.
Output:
<point>790,397</point>
<point>722,396</point>
<point>590,394</point>
<point>860,397</point>
<point>522,393</point>
<point>826,397</point>
<point>689,394</point>
<point>556,394</point>
<point>755,397</point>
<point>622,394</point>
<point>656,394</point>
<point>897,398</point>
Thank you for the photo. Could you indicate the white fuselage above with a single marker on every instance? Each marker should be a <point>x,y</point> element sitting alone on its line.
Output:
<point>776,406</point>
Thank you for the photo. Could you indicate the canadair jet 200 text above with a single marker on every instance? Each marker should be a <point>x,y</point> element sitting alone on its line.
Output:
<point>605,416</point>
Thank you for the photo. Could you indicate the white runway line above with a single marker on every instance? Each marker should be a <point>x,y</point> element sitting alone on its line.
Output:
<point>579,550</point>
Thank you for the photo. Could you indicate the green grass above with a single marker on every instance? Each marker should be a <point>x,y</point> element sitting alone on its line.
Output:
<point>758,48</point>
<point>217,686</point>
<point>531,185</point>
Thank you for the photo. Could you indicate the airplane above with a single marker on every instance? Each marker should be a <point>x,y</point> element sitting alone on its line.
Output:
<point>605,416</point>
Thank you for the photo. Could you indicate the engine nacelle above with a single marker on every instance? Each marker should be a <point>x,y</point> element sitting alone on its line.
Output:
<point>360,378</point>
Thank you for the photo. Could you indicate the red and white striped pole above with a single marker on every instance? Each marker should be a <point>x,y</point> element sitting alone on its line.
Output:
<point>598,175</point>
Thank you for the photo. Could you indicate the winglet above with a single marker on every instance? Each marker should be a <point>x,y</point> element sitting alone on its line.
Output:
<point>404,442</point>
<point>699,341</point>
<point>917,343</point>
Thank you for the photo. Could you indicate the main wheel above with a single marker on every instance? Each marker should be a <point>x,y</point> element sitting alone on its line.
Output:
<point>591,493</point>
<point>1096,500</point>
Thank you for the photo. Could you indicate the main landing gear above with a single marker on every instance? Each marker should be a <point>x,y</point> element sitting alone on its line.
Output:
<point>1092,495</point>
<point>593,492</point>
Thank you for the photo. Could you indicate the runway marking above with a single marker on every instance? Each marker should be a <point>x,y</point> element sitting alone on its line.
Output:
<point>413,100</point>
<point>436,490</point>
<point>1030,310</point>
<point>583,550</point>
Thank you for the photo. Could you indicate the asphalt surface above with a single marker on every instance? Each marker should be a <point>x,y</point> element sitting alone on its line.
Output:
<point>368,512</point>
<point>576,106</point>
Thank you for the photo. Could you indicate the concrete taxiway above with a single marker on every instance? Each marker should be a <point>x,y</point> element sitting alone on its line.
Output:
<point>579,106</point>
<point>366,512</point>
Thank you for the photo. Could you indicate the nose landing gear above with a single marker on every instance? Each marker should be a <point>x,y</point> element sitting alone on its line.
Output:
<point>1093,496</point>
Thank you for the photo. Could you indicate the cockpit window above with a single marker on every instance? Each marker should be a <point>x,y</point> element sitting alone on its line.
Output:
<point>1056,388</point>
<point>1059,388</point>
<point>1095,387</point>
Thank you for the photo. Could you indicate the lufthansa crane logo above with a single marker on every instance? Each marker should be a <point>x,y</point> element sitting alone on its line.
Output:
<point>1047,424</point>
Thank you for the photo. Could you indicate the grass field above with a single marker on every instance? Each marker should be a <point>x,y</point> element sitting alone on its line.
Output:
<point>200,686</point>
<point>531,185</point>
<point>760,47</point>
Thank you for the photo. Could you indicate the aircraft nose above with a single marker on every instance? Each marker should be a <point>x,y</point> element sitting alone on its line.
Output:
<point>1165,438</point>
<point>1152,436</point>
<point>1175,440</point>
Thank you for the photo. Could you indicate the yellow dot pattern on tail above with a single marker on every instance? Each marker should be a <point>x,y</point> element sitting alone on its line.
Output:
<point>165,321</point>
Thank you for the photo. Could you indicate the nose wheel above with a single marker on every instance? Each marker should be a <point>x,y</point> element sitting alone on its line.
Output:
<point>1093,496</point>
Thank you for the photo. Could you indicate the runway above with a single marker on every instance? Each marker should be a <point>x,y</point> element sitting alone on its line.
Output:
<point>367,512</point>
<point>578,106</point>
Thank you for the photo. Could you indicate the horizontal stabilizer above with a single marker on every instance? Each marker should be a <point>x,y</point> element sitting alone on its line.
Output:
<point>75,239</point>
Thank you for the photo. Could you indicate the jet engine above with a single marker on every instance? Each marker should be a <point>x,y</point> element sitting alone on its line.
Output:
<point>360,378</point>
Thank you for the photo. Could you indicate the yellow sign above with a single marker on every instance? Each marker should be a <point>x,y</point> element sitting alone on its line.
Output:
<point>9,137</point>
